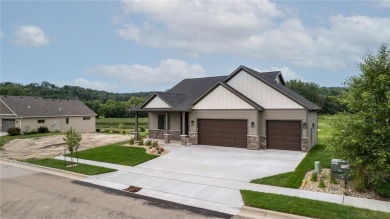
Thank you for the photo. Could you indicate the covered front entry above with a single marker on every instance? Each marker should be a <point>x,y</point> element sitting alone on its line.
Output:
<point>221,132</point>
<point>284,135</point>
<point>7,123</point>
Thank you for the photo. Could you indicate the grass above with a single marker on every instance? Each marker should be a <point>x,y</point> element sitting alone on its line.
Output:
<point>59,164</point>
<point>307,207</point>
<point>128,123</point>
<point>318,153</point>
<point>5,139</point>
<point>124,155</point>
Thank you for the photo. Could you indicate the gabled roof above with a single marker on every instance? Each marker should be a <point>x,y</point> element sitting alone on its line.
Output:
<point>270,79</point>
<point>234,91</point>
<point>27,106</point>
<point>185,94</point>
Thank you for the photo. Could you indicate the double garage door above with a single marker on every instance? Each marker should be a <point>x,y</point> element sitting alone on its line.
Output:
<point>284,135</point>
<point>281,135</point>
<point>218,132</point>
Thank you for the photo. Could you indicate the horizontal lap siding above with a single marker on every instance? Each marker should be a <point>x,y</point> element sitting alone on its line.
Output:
<point>287,114</point>
<point>249,115</point>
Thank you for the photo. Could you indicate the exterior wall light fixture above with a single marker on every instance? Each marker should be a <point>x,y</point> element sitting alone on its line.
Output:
<point>304,125</point>
<point>252,124</point>
<point>192,122</point>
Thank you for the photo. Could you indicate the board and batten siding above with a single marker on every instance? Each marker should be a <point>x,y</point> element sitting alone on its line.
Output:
<point>261,93</point>
<point>287,114</point>
<point>156,102</point>
<point>312,119</point>
<point>249,115</point>
<point>173,117</point>
<point>222,98</point>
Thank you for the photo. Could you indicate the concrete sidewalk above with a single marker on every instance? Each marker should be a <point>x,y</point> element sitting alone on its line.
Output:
<point>205,192</point>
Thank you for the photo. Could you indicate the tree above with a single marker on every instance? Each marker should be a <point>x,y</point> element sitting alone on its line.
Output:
<point>363,136</point>
<point>72,140</point>
<point>308,90</point>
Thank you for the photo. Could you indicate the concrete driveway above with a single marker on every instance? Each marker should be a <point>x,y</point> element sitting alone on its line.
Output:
<point>225,163</point>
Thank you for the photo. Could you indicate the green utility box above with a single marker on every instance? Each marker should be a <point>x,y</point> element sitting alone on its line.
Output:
<point>340,169</point>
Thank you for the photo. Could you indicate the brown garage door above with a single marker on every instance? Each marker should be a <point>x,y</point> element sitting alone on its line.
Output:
<point>229,133</point>
<point>284,135</point>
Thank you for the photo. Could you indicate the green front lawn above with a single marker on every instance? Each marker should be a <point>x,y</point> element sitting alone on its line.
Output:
<point>318,153</point>
<point>124,155</point>
<point>307,207</point>
<point>59,164</point>
<point>5,139</point>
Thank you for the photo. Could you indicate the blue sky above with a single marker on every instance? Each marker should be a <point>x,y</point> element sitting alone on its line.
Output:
<point>130,46</point>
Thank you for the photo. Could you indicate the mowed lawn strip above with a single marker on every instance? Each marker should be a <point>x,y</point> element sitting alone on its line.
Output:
<point>80,168</point>
<point>116,154</point>
<point>307,207</point>
<point>318,153</point>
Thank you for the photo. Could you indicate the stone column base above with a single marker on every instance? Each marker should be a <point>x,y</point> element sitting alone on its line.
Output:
<point>136,136</point>
<point>167,138</point>
<point>183,139</point>
<point>304,144</point>
<point>193,137</point>
<point>263,142</point>
<point>253,142</point>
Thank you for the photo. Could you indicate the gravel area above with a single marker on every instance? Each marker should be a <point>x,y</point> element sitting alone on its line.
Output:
<point>339,188</point>
<point>51,146</point>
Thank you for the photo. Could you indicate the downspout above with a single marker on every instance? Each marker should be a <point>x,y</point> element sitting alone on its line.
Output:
<point>20,123</point>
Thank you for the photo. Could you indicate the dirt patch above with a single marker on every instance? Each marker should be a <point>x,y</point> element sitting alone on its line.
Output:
<point>339,188</point>
<point>52,146</point>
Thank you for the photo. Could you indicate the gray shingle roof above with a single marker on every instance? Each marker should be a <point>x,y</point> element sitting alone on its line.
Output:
<point>26,106</point>
<point>182,96</point>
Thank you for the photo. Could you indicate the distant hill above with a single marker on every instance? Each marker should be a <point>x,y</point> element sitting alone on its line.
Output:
<point>51,91</point>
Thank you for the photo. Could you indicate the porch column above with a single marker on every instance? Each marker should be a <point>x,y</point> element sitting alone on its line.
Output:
<point>136,133</point>
<point>183,136</point>
<point>167,135</point>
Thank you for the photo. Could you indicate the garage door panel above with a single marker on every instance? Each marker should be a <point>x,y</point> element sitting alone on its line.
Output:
<point>229,133</point>
<point>284,135</point>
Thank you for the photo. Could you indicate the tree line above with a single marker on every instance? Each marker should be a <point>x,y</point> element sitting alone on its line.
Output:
<point>105,104</point>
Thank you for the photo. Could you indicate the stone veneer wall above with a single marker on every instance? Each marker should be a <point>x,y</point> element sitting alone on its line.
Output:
<point>159,134</point>
<point>175,135</point>
<point>193,137</point>
<point>305,144</point>
<point>263,142</point>
<point>253,142</point>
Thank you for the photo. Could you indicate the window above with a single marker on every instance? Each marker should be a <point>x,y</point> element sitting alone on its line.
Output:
<point>67,120</point>
<point>161,122</point>
<point>86,118</point>
<point>41,121</point>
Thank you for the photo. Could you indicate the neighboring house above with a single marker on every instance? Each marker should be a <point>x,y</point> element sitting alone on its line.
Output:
<point>246,109</point>
<point>29,113</point>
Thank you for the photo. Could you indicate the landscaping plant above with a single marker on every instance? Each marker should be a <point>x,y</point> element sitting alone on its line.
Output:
<point>13,131</point>
<point>322,183</point>
<point>43,129</point>
<point>313,177</point>
<point>72,140</point>
<point>362,135</point>
<point>141,142</point>
<point>131,141</point>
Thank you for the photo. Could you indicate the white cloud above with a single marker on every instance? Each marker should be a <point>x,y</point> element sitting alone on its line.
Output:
<point>30,36</point>
<point>169,72</point>
<point>287,73</point>
<point>96,85</point>
<point>256,28</point>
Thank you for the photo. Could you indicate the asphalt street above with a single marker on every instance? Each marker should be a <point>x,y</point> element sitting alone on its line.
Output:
<point>30,194</point>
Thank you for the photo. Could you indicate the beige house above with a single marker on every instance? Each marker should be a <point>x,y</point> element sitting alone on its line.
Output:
<point>246,109</point>
<point>29,113</point>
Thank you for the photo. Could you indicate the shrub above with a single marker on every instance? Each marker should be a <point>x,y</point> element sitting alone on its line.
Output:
<point>148,142</point>
<point>116,131</point>
<point>382,187</point>
<point>14,131</point>
<point>141,142</point>
<point>142,129</point>
<point>313,177</point>
<point>155,144</point>
<point>30,132</point>
<point>43,129</point>
<point>358,180</point>
<point>124,132</point>
<point>332,179</point>
<point>322,183</point>
<point>131,141</point>
<point>97,130</point>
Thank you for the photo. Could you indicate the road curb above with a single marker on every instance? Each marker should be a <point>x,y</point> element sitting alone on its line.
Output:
<point>49,170</point>
<point>250,212</point>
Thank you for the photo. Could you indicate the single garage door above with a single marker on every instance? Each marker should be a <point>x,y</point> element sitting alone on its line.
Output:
<point>218,132</point>
<point>284,135</point>
<point>7,123</point>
